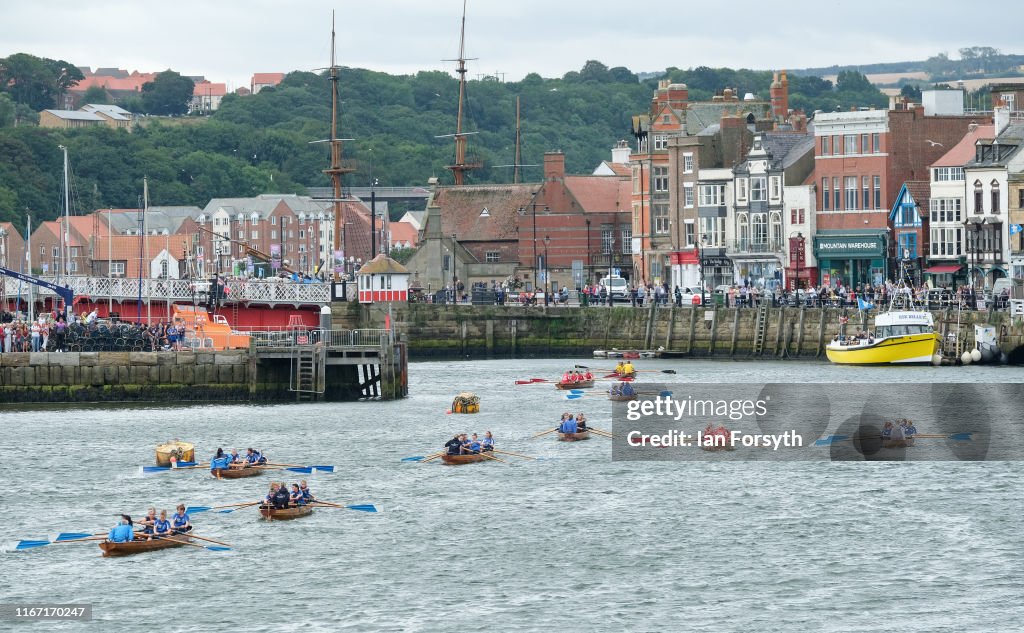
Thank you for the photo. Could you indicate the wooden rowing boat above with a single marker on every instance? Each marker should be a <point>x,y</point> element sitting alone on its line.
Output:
<point>455,460</point>
<point>283,514</point>
<point>621,398</point>
<point>582,384</point>
<point>239,473</point>
<point>138,546</point>
<point>905,442</point>
<point>573,437</point>
<point>181,451</point>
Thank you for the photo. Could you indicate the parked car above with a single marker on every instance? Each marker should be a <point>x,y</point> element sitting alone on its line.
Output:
<point>690,296</point>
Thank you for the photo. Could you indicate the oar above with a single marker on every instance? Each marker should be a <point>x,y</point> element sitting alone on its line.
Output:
<point>417,458</point>
<point>282,465</point>
<point>324,469</point>
<point>233,506</point>
<point>545,432</point>
<point>74,536</point>
<point>64,537</point>
<point>432,458</point>
<point>831,439</point>
<point>492,457</point>
<point>663,371</point>
<point>513,454</point>
<point>363,507</point>
<point>212,548</point>
<point>203,538</point>
<point>531,381</point>
<point>599,431</point>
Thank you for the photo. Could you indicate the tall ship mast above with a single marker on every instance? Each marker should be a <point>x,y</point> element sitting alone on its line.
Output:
<point>460,166</point>
<point>336,171</point>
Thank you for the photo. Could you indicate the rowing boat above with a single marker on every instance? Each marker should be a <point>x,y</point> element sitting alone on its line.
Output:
<point>138,546</point>
<point>629,375</point>
<point>239,473</point>
<point>283,514</point>
<point>180,451</point>
<point>573,437</point>
<point>897,443</point>
<point>621,398</point>
<point>580,384</point>
<point>455,460</point>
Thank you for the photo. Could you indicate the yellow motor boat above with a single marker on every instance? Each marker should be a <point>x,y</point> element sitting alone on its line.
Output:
<point>905,337</point>
<point>180,451</point>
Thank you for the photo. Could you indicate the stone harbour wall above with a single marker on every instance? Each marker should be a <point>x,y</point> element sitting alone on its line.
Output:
<point>136,376</point>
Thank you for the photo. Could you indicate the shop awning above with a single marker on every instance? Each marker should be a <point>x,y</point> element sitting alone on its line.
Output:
<point>943,269</point>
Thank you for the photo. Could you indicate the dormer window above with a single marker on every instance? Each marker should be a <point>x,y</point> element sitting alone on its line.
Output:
<point>486,213</point>
<point>201,219</point>
<point>254,219</point>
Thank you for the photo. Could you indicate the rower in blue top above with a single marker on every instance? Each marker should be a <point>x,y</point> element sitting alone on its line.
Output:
<point>161,527</point>
<point>122,532</point>
<point>487,444</point>
<point>307,496</point>
<point>568,425</point>
<point>180,522</point>
<point>235,457</point>
<point>254,457</point>
<point>474,445</point>
<point>296,497</point>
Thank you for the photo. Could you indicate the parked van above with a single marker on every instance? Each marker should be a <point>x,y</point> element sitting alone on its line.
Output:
<point>617,287</point>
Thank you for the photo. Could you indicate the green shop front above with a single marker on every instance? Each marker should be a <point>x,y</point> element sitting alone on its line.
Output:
<point>851,257</point>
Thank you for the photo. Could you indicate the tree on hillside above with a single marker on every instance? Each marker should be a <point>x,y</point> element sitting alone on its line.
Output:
<point>37,82</point>
<point>95,94</point>
<point>911,91</point>
<point>6,111</point>
<point>168,93</point>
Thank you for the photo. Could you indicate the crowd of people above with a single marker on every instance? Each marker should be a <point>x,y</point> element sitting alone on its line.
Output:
<point>152,526</point>
<point>463,444</point>
<point>572,424</point>
<point>223,461</point>
<point>281,496</point>
<point>52,332</point>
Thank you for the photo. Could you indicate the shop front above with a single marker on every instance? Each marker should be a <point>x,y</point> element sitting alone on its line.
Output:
<point>849,258</point>
<point>685,269</point>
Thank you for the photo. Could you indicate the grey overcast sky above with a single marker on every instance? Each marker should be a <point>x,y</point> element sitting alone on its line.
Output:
<point>228,40</point>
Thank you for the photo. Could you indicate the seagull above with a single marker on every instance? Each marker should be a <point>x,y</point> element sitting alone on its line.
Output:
<point>933,143</point>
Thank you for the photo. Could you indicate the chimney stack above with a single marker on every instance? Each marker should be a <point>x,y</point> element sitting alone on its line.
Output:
<point>554,165</point>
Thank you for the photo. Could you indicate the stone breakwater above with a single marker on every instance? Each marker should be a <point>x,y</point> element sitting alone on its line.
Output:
<point>138,376</point>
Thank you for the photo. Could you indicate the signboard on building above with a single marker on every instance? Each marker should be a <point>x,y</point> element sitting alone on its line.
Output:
<point>339,262</point>
<point>853,246</point>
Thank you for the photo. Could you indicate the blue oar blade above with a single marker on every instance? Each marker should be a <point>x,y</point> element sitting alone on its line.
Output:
<point>30,544</point>
<point>217,548</point>
<point>414,458</point>
<point>574,396</point>
<point>155,469</point>
<point>184,464</point>
<point>961,437</point>
<point>308,470</point>
<point>324,469</point>
<point>665,394</point>
<point>73,536</point>
<point>195,509</point>
<point>366,507</point>
<point>830,439</point>
<point>577,391</point>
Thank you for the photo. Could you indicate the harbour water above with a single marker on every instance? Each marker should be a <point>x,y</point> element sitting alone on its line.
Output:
<point>571,541</point>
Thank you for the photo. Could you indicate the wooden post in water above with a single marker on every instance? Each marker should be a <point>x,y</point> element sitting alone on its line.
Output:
<point>693,330</point>
<point>821,334</point>
<point>800,334</point>
<point>671,325</point>
<point>735,331</point>
<point>778,331</point>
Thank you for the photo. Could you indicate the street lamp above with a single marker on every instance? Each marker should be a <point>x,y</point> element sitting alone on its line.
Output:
<point>588,250</point>
<point>700,262</point>
<point>547,276</point>
<point>455,284</point>
<point>974,227</point>
<point>522,210</point>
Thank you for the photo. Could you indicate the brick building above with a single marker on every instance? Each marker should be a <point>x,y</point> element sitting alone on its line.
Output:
<point>862,160</point>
